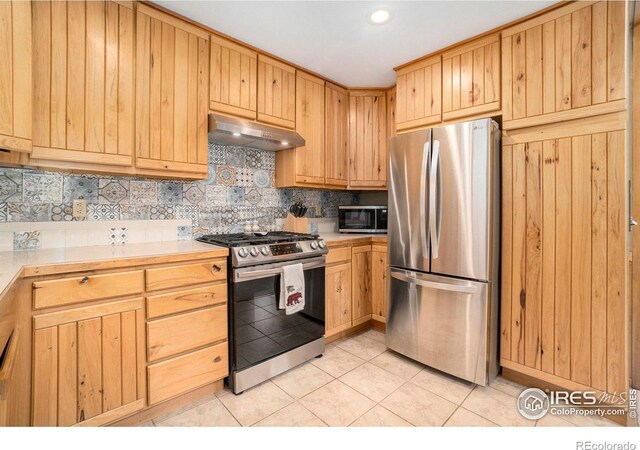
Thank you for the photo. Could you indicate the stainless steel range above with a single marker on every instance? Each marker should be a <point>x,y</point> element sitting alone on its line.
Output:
<point>263,340</point>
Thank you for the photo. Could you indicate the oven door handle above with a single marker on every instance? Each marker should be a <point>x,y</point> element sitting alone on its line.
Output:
<point>256,274</point>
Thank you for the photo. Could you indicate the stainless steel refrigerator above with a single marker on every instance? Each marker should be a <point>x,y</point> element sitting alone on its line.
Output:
<point>443,240</point>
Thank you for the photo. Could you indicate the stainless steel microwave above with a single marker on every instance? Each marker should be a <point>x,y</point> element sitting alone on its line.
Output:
<point>362,219</point>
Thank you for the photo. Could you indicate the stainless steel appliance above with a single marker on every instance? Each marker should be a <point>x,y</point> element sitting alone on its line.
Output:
<point>245,133</point>
<point>263,340</point>
<point>362,219</point>
<point>444,196</point>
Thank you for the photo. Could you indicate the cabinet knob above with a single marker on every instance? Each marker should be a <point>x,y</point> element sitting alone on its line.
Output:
<point>217,359</point>
<point>216,268</point>
<point>84,280</point>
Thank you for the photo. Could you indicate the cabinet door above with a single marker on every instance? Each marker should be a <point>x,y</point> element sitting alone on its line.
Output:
<point>361,287</point>
<point>338,298</point>
<point>566,64</point>
<point>391,113</point>
<point>15,76</point>
<point>310,159</point>
<point>564,240</point>
<point>471,79</point>
<point>419,94</point>
<point>337,135</point>
<point>88,364</point>
<point>379,282</point>
<point>276,93</point>
<point>234,78</point>
<point>172,96</point>
<point>83,102</point>
<point>367,139</point>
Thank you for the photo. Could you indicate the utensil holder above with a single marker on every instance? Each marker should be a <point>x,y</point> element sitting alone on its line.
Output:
<point>296,224</point>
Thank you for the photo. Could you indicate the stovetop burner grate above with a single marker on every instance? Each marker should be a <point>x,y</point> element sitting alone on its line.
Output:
<point>238,239</point>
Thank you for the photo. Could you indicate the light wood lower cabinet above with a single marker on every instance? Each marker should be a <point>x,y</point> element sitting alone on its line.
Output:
<point>90,361</point>
<point>564,258</point>
<point>88,364</point>
<point>379,282</point>
<point>338,298</point>
<point>361,282</point>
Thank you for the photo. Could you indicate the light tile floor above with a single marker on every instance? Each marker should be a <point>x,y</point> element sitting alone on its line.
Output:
<point>358,382</point>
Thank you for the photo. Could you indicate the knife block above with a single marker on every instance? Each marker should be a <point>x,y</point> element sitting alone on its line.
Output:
<point>296,224</point>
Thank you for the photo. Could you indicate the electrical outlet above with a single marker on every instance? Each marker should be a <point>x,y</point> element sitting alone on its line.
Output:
<point>79,209</point>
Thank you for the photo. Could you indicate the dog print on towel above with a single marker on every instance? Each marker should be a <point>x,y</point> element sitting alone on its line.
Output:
<point>293,296</point>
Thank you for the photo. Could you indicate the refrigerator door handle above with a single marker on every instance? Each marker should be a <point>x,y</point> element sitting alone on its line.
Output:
<point>434,284</point>
<point>433,179</point>
<point>423,194</point>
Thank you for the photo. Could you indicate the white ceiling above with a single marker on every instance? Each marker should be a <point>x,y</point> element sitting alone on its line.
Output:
<point>334,39</point>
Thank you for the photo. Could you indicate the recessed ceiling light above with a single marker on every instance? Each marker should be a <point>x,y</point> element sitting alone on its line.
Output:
<point>284,143</point>
<point>236,134</point>
<point>379,16</point>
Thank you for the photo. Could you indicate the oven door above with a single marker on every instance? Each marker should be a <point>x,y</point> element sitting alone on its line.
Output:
<point>357,219</point>
<point>259,330</point>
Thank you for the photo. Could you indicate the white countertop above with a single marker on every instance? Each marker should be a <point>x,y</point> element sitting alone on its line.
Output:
<point>11,263</point>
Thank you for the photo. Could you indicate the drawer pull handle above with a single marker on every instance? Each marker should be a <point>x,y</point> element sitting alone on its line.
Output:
<point>217,359</point>
<point>216,268</point>
<point>84,280</point>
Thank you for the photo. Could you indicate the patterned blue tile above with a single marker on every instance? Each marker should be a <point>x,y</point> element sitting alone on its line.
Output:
<point>193,194</point>
<point>135,212</point>
<point>3,212</point>
<point>226,175</point>
<point>26,240</point>
<point>235,196</point>
<point>80,188</point>
<point>187,212</point>
<point>10,187</point>
<point>169,193</point>
<point>253,158</point>
<point>244,177</point>
<point>185,233</point>
<point>113,191</point>
<point>262,178</point>
<point>39,188</point>
<point>143,193</point>
<point>199,232</point>
<point>269,160</point>
<point>216,195</point>
<point>62,213</point>
<point>22,212</point>
<point>253,197</point>
<point>217,154</point>
<point>236,156</point>
<point>103,211</point>
<point>210,216</point>
<point>162,212</point>
<point>118,236</point>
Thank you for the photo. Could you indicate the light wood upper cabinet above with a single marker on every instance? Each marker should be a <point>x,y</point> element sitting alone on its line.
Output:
<point>83,66</point>
<point>379,282</point>
<point>565,64</point>
<point>234,78</point>
<point>391,113</point>
<point>15,75</point>
<point>172,95</point>
<point>337,136</point>
<point>419,94</point>
<point>471,78</point>
<point>276,93</point>
<point>367,139</point>
<point>310,159</point>
<point>88,364</point>
<point>564,258</point>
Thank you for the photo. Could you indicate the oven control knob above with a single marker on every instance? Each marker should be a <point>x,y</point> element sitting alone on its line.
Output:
<point>322,244</point>
<point>264,250</point>
<point>314,245</point>
<point>253,251</point>
<point>242,253</point>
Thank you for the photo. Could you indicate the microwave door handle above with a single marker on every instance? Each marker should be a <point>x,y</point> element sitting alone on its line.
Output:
<point>434,284</point>
<point>256,274</point>
<point>423,197</point>
<point>434,232</point>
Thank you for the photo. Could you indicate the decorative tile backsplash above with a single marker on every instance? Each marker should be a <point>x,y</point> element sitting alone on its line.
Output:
<point>240,188</point>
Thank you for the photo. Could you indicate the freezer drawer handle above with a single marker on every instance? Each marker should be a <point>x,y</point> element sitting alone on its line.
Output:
<point>435,285</point>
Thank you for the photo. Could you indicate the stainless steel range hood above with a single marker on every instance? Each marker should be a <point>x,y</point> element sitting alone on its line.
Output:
<point>232,131</point>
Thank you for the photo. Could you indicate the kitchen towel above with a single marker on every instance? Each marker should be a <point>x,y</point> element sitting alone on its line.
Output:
<point>292,288</point>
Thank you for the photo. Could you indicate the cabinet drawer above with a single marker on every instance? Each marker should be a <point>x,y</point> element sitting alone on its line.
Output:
<point>338,255</point>
<point>85,288</point>
<point>186,275</point>
<point>181,301</point>
<point>173,335</point>
<point>179,375</point>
